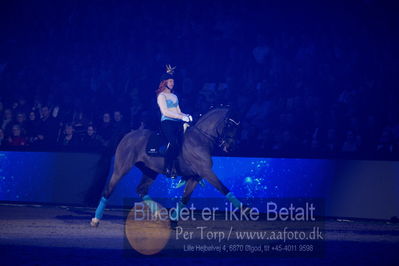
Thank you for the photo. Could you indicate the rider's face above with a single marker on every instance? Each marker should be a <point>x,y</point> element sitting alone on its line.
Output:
<point>170,83</point>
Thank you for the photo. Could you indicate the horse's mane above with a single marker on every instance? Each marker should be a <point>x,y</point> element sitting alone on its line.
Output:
<point>210,113</point>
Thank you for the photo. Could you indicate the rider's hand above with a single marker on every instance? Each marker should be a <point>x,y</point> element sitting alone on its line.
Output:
<point>186,119</point>
<point>190,118</point>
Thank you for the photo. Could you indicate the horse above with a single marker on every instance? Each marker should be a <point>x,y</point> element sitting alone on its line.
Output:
<point>216,128</point>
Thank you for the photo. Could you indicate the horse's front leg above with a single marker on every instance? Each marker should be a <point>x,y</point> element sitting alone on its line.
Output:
<point>191,183</point>
<point>145,184</point>
<point>211,177</point>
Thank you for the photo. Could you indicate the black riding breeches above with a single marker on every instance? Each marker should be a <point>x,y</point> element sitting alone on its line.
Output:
<point>173,132</point>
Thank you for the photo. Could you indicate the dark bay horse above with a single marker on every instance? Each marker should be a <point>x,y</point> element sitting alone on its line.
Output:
<point>215,128</point>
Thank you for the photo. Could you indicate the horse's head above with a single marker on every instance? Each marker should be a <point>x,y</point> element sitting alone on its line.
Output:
<point>227,140</point>
<point>220,127</point>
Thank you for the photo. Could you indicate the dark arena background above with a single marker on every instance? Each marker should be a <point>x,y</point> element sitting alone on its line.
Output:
<point>315,87</point>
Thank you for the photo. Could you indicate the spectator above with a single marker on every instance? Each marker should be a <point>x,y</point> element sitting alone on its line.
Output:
<point>6,124</point>
<point>105,128</point>
<point>79,124</point>
<point>120,125</point>
<point>352,142</point>
<point>21,121</point>
<point>47,129</point>
<point>32,125</point>
<point>91,139</point>
<point>16,138</point>
<point>22,106</point>
<point>120,128</point>
<point>68,138</point>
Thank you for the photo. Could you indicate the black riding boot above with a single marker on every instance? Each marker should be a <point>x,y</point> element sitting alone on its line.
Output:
<point>170,169</point>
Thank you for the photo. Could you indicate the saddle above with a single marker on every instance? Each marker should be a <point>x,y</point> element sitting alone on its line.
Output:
<point>157,144</point>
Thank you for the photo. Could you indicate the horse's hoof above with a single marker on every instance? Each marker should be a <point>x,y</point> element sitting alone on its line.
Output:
<point>95,222</point>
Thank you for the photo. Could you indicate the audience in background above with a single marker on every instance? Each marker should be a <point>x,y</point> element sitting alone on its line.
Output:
<point>2,138</point>
<point>301,88</point>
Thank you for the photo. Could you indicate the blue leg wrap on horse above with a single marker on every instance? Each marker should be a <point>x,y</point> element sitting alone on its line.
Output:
<point>232,198</point>
<point>174,216</point>
<point>150,203</point>
<point>147,197</point>
<point>100,208</point>
<point>180,184</point>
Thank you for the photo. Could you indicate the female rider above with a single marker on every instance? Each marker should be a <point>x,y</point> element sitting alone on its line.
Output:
<point>171,120</point>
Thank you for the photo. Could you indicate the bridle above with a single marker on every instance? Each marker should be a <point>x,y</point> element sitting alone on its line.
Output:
<point>228,123</point>
<point>222,137</point>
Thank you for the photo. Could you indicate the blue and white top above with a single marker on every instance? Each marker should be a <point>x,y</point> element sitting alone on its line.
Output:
<point>169,105</point>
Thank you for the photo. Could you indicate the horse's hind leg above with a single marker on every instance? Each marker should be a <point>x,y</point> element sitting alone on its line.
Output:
<point>123,163</point>
<point>120,170</point>
<point>147,179</point>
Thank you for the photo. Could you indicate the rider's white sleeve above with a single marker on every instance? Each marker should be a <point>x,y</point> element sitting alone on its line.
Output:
<point>161,100</point>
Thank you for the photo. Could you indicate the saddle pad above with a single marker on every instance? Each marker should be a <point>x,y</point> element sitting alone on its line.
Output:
<point>156,145</point>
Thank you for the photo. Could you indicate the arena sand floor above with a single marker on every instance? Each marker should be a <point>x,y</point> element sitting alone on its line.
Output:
<point>61,235</point>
